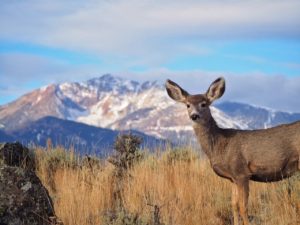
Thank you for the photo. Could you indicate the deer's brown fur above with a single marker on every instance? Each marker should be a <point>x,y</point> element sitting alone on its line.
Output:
<point>240,155</point>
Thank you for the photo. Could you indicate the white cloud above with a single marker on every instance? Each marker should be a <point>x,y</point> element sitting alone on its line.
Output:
<point>132,28</point>
<point>273,91</point>
<point>148,32</point>
<point>21,73</point>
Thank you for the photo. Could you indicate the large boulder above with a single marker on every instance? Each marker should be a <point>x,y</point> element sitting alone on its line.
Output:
<point>23,198</point>
<point>15,154</point>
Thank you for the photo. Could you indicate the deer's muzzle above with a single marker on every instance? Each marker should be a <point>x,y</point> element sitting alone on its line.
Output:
<point>195,117</point>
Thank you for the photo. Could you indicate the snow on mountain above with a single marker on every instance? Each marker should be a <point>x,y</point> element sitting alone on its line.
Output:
<point>145,107</point>
<point>47,101</point>
<point>115,106</point>
<point>120,104</point>
<point>256,117</point>
<point>226,121</point>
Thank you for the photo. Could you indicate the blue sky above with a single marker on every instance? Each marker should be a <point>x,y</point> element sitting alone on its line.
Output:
<point>44,42</point>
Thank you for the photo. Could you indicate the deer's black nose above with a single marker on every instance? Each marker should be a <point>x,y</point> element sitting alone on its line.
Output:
<point>195,117</point>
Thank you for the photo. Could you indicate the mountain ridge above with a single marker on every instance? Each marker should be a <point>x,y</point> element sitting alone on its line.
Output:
<point>84,138</point>
<point>120,104</point>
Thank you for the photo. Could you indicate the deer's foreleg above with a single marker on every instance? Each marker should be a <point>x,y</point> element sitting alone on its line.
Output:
<point>243,194</point>
<point>235,204</point>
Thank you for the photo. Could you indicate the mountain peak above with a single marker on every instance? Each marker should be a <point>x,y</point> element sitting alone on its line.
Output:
<point>108,78</point>
<point>118,103</point>
<point>118,85</point>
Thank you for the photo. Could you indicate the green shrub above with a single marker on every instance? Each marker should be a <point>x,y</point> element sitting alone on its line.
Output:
<point>180,154</point>
<point>128,152</point>
<point>122,217</point>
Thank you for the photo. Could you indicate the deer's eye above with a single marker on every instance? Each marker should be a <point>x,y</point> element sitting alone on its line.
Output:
<point>188,105</point>
<point>203,104</point>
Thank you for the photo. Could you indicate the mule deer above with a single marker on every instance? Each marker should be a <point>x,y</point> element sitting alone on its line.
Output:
<point>240,155</point>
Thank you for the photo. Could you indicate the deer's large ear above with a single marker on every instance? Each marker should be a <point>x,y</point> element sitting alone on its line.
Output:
<point>175,91</point>
<point>216,89</point>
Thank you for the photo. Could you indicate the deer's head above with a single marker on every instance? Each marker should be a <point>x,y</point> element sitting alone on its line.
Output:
<point>197,105</point>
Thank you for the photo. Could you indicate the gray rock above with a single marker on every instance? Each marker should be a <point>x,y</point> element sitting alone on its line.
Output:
<point>15,154</point>
<point>23,198</point>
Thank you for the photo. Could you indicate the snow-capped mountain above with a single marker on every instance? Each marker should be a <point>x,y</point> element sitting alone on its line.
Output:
<point>254,117</point>
<point>115,103</point>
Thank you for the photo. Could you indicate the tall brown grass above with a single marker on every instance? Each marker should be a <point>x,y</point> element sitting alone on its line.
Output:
<point>178,187</point>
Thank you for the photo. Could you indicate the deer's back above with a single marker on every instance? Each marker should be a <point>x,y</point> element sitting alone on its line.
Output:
<point>268,154</point>
<point>272,141</point>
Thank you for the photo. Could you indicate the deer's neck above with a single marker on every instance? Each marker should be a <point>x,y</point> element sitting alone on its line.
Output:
<point>208,134</point>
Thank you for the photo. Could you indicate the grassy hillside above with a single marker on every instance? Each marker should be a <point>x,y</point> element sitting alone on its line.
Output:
<point>176,187</point>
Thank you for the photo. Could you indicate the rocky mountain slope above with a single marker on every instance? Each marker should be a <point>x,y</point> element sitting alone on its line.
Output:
<point>115,103</point>
<point>254,117</point>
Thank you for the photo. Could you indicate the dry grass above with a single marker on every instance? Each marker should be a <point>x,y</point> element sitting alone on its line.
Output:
<point>183,188</point>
